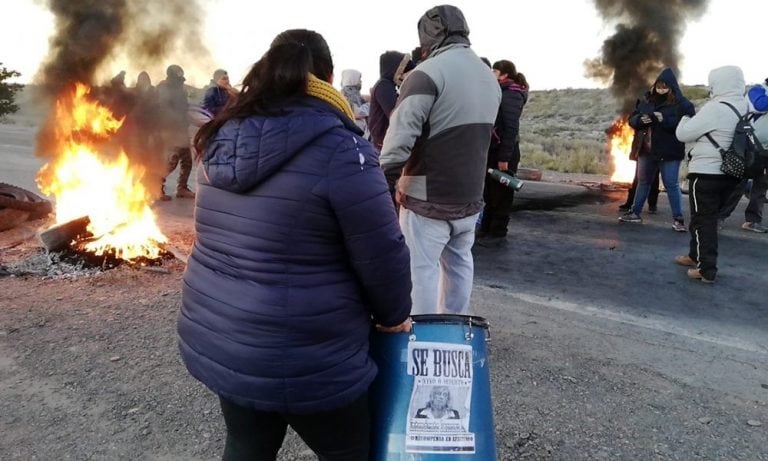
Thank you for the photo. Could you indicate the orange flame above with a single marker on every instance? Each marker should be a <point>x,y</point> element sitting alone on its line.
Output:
<point>620,136</point>
<point>86,182</point>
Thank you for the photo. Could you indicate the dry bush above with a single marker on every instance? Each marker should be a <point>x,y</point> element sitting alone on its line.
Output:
<point>564,130</point>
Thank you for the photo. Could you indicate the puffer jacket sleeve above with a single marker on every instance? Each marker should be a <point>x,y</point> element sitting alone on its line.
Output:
<point>641,107</point>
<point>690,129</point>
<point>360,199</point>
<point>510,110</point>
<point>758,96</point>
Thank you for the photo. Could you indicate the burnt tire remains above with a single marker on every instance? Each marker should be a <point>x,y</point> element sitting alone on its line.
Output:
<point>18,205</point>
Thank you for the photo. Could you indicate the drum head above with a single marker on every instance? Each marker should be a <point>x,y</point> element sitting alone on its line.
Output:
<point>450,319</point>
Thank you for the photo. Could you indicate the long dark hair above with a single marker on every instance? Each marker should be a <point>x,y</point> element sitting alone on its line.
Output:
<point>508,67</point>
<point>280,75</point>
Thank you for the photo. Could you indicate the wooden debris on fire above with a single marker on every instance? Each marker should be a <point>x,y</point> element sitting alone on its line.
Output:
<point>175,251</point>
<point>157,269</point>
<point>59,237</point>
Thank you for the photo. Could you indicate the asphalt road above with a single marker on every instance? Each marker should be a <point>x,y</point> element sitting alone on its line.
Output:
<point>601,347</point>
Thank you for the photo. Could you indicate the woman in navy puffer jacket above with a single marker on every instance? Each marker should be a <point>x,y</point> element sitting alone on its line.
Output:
<point>297,253</point>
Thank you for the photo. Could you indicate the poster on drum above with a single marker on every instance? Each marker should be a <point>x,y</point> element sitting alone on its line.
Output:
<point>439,410</point>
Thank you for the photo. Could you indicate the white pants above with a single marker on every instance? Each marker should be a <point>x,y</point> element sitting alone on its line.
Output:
<point>442,268</point>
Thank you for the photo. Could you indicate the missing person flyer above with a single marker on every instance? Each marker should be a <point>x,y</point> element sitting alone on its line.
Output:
<point>439,410</point>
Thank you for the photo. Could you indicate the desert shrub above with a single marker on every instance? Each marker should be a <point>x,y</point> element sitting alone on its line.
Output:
<point>696,93</point>
<point>564,130</point>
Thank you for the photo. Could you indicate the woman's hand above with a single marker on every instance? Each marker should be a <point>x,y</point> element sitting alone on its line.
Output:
<point>646,119</point>
<point>399,197</point>
<point>404,327</point>
<point>658,116</point>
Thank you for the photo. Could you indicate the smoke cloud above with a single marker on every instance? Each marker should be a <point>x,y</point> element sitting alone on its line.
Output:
<point>94,39</point>
<point>94,34</point>
<point>646,41</point>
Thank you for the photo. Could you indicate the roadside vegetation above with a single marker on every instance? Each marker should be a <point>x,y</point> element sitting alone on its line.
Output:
<point>565,130</point>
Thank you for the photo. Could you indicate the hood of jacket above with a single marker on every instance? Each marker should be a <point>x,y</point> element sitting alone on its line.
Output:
<point>668,77</point>
<point>727,81</point>
<point>246,152</point>
<point>351,77</point>
<point>441,26</point>
<point>392,64</point>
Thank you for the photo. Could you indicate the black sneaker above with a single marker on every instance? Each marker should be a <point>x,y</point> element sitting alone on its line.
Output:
<point>630,217</point>
<point>652,210</point>
<point>625,207</point>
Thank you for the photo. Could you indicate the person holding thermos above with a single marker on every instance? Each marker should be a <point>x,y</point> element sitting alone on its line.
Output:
<point>504,152</point>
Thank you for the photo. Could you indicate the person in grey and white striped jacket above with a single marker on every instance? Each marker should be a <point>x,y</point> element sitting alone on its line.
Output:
<point>437,145</point>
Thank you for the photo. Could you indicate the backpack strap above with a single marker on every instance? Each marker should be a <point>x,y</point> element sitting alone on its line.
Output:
<point>714,143</point>
<point>738,114</point>
<point>711,139</point>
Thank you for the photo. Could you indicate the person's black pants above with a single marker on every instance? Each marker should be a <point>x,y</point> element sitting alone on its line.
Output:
<point>754,210</point>
<point>498,207</point>
<point>338,435</point>
<point>707,195</point>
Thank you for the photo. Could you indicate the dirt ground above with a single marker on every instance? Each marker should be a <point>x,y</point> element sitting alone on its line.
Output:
<point>89,367</point>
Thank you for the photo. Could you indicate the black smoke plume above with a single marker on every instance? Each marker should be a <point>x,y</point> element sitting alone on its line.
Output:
<point>144,33</point>
<point>646,41</point>
<point>93,39</point>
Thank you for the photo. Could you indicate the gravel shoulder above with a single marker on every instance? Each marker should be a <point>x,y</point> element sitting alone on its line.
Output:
<point>581,368</point>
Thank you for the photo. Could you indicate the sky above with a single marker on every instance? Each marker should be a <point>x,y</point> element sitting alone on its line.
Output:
<point>548,40</point>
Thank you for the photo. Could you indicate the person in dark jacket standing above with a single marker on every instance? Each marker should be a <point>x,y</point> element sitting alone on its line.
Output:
<point>504,153</point>
<point>392,66</point>
<point>218,93</point>
<point>436,149</point>
<point>297,254</point>
<point>174,104</point>
<point>660,111</point>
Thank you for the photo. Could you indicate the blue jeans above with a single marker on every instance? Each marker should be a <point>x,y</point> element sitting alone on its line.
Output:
<point>669,169</point>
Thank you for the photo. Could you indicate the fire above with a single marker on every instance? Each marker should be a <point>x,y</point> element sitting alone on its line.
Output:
<point>87,180</point>
<point>620,137</point>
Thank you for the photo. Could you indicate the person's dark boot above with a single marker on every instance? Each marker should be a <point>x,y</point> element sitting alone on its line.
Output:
<point>184,192</point>
<point>485,226</point>
<point>492,242</point>
<point>163,197</point>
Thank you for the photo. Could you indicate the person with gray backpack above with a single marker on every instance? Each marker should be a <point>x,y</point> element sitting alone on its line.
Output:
<point>753,214</point>
<point>709,186</point>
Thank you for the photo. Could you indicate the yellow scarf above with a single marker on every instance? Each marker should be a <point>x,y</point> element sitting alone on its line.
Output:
<point>326,92</point>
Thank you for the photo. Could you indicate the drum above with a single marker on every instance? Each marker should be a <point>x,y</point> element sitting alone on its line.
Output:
<point>431,400</point>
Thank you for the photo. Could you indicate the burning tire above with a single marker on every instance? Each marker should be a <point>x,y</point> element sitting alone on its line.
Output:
<point>18,205</point>
<point>10,218</point>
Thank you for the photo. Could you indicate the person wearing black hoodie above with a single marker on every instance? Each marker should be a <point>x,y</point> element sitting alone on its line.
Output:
<point>392,66</point>
<point>660,111</point>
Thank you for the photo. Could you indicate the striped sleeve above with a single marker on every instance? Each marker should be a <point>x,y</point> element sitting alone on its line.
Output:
<point>417,96</point>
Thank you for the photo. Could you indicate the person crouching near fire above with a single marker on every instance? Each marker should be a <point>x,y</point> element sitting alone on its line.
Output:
<point>298,252</point>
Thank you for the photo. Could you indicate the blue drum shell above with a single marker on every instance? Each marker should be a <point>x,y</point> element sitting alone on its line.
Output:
<point>391,390</point>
